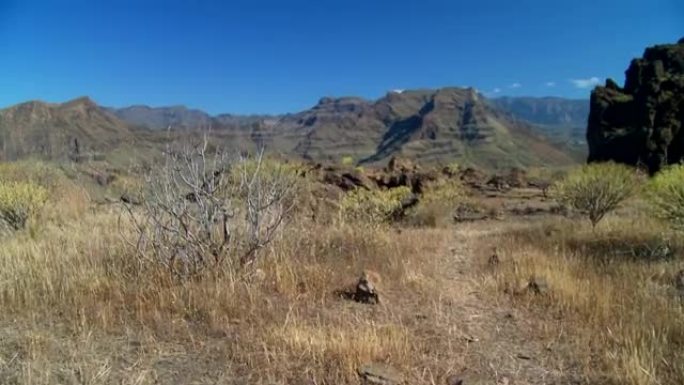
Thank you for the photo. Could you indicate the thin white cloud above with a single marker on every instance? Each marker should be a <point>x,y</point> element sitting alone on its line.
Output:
<point>515,85</point>
<point>496,90</point>
<point>585,83</point>
<point>550,84</point>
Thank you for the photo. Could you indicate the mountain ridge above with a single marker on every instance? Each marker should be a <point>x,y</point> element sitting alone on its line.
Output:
<point>430,125</point>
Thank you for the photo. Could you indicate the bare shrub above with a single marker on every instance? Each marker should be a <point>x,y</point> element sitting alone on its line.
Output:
<point>202,209</point>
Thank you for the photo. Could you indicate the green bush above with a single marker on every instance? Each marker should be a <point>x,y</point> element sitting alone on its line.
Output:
<point>19,201</point>
<point>596,189</point>
<point>453,168</point>
<point>437,203</point>
<point>372,206</point>
<point>665,193</point>
<point>37,172</point>
<point>347,160</point>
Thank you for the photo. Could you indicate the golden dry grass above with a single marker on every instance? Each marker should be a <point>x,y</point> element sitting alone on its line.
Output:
<point>77,307</point>
<point>610,292</point>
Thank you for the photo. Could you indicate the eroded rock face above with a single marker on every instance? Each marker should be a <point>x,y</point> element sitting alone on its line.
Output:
<point>641,123</point>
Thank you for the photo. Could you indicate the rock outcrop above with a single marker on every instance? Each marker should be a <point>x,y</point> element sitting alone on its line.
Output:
<point>641,123</point>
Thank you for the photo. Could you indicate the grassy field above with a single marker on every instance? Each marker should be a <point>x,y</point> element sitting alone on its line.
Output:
<point>612,294</point>
<point>80,308</point>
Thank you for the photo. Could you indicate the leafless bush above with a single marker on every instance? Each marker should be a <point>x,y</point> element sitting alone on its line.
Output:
<point>203,209</point>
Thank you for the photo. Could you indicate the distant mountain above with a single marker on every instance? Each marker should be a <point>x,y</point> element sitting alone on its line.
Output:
<point>159,118</point>
<point>429,126</point>
<point>563,120</point>
<point>547,111</point>
<point>181,118</point>
<point>75,128</point>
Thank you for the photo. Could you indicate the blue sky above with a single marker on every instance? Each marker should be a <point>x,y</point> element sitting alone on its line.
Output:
<point>282,56</point>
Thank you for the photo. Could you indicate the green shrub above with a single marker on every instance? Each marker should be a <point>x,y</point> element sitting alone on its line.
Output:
<point>596,189</point>
<point>447,193</point>
<point>665,193</point>
<point>19,201</point>
<point>372,206</point>
<point>347,160</point>
<point>37,172</point>
<point>453,168</point>
<point>437,203</point>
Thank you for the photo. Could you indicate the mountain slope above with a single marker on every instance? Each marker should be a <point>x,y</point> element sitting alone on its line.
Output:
<point>73,128</point>
<point>160,118</point>
<point>546,111</point>
<point>563,120</point>
<point>182,118</point>
<point>427,125</point>
<point>430,126</point>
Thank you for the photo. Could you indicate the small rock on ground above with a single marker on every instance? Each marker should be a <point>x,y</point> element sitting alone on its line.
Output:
<point>380,374</point>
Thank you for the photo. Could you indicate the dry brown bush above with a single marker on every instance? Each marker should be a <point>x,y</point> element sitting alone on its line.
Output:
<point>201,209</point>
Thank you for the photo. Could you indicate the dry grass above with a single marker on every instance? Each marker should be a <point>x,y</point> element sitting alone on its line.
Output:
<point>611,294</point>
<point>78,309</point>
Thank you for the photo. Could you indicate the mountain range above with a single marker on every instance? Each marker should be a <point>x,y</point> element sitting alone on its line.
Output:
<point>429,125</point>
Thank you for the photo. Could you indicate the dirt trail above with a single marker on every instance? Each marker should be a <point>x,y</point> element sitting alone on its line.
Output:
<point>505,346</point>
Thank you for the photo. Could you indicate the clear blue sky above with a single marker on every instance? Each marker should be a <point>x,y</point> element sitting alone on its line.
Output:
<point>282,56</point>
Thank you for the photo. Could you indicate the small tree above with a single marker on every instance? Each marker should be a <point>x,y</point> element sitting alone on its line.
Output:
<point>665,193</point>
<point>595,189</point>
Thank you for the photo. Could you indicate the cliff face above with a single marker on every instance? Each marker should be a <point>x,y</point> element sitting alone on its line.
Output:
<point>641,123</point>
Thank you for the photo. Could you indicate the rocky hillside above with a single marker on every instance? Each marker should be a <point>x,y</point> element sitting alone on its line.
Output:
<point>563,120</point>
<point>641,123</point>
<point>428,126</point>
<point>78,128</point>
<point>425,125</point>
<point>160,118</point>
<point>182,118</point>
<point>546,111</point>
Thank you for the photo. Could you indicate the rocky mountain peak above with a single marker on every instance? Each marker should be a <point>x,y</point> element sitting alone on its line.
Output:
<point>641,123</point>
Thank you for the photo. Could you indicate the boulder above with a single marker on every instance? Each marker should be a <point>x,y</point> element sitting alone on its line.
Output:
<point>494,258</point>
<point>346,179</point>
<point>466,379</point>
<point>679,282</point>
<point>641,123</point>
<point>538,285</point>
<point>380,374</point>
<point>366,288</point>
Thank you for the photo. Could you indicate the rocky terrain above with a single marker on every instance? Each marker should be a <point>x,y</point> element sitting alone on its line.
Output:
<point>641,123</point>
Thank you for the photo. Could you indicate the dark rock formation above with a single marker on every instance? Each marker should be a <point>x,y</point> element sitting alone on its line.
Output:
<point>641,124</point>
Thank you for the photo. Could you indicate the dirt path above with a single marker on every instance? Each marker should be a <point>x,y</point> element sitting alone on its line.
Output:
<point>504,343</point>
<point>462,329</point>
